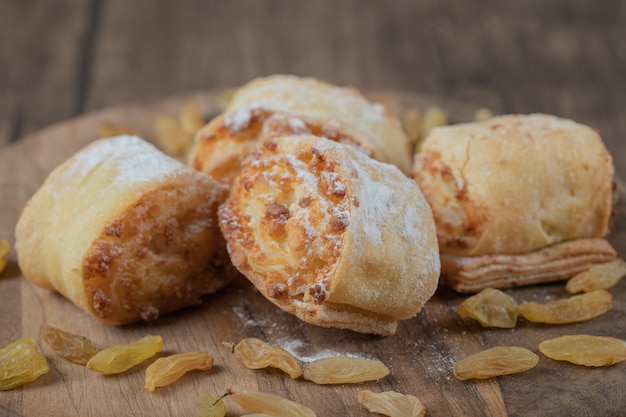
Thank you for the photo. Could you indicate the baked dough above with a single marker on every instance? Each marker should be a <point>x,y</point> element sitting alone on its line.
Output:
<point>125,232</point>
<point>515,196</point>
<point>283,104</point>
<point>330,235</point>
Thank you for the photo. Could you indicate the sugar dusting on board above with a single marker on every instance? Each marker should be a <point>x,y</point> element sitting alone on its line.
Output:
<point>136,161</point>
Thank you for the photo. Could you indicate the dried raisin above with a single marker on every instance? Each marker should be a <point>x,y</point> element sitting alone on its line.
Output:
<point>585,350</point>
<point>21,362</point>
<point>256,354</point>
<point>598,277</point>
<point>72,347</point>
<point>271,404</point>
<point>501,360</point>
<point>120,358</point>
<point>571,310</point>
<point>165,371</point>
<point>491,308</point>
<point>344,370</point>
<point>209,405</point>
<point>392,404</point>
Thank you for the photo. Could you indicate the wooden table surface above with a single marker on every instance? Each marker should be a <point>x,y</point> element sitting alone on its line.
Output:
<point>68,58</point>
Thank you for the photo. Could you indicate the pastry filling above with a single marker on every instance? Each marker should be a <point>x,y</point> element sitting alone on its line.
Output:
<point>297,213</point>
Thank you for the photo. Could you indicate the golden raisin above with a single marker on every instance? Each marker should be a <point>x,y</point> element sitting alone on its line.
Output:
<point>266,403</point>
<point>344,370</point>
<point>501,360</point>
<point>5,248</point>
<point>598,277</point>
<point>164,371</point>
<point>585,350</point>
<point>21,362</point>
<point>433,117</point>
<point>74,348</point>
<point>392,404</point>
<point>110,129</point>
<point>571,310</point>
<point>254,353</point>
<point>209,405</point>
<point>120,358</point>
<point>491,308</point>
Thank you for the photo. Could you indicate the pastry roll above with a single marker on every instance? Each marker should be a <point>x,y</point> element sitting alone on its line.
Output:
<point>125,232</point>
<point>330,235</point>
<point>517,200</point>
<point>281,105</point>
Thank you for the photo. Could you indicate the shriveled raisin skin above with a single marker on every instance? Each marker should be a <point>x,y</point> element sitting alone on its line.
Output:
<point>491,308</point>
<point>267,403</point>
<point>392,404</point>
<point>344,370</point>
<point>585,349</point>
<point>210,405</point>
<point>254,353</point>
<point>165,371</point>
<point>497,361</point>
<point>21,362</point>
<point>120,358</point>
<point>73,347</point>
<point>570,310</point>
<point>598,277</point>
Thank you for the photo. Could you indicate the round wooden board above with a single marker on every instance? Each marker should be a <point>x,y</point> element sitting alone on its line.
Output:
<point>420,356</point>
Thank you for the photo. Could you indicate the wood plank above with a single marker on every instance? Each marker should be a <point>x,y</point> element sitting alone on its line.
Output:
<point>420,356</point>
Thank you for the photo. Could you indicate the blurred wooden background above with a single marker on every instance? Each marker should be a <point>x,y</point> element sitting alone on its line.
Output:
<point>62,58</point>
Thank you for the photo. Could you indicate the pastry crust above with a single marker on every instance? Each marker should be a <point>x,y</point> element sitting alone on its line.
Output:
<point>330,235</point>
<point>515,185</point>
<point>282,105</point>
<point>125,232</point>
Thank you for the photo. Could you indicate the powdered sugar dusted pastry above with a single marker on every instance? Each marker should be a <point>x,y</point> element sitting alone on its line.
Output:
<point>125,232</point>
<point>282,104</point>
<point>517,200</point>
<point>331,235</point>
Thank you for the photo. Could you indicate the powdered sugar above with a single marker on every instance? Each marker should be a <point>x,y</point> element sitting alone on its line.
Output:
<point>134,160</point>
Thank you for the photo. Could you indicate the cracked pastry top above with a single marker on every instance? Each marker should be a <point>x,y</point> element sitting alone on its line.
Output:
<point>125,232</point>
<point>331,235</point>
<point>535,190</point>
<point>286,104</point>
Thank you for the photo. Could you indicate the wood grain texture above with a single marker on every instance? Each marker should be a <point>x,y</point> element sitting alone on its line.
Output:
<point>566,57</point>
<point>420,356</point>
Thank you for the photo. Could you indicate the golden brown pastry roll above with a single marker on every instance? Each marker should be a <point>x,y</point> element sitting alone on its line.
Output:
<point>282,105</point>
<point>330,235</point>
<point>125,232</point>
<point>518,199</point>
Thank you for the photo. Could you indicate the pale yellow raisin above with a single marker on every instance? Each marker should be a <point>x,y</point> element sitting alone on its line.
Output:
<point>254,353</point>
<point>190,118</point>
<point>501,360</point>
<point>209,405</point>
<point>392,404</point>
<point>598,277</point>
<point>344,370</point>
<point>491,308</point>
<point>433,117</point>
<point>21,362</point>
<point>482,114</point>
<point>570,310</point>
<point>263,402</point>
<point>120,358</point>
<point>5,248</point>
<point>164,371</point>
<point>412,121</point>
<point>170,136</point>
<point>585,349</point>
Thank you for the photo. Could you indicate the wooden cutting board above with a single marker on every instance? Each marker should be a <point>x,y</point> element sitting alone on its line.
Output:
<point>420,356</point>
